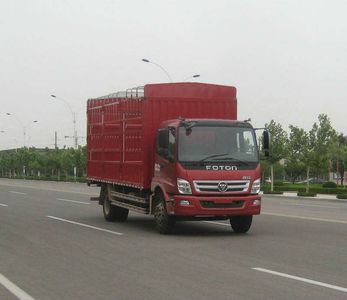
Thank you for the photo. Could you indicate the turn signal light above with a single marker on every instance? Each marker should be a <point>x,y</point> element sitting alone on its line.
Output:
<point>184,202</point>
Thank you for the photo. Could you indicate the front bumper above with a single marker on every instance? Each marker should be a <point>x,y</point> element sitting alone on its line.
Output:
<point>213,206</point>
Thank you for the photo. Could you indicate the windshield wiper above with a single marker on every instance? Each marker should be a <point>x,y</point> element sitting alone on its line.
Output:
<point>236,160</point>
<point>225,158</point>
<point>214,156</point>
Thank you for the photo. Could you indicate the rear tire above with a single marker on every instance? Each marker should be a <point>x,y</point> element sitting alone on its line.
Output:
<point>164,223</point>
<point>241,224</point>
<point>113,212</point>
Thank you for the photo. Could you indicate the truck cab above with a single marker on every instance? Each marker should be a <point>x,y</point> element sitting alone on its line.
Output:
<point>208,169</point>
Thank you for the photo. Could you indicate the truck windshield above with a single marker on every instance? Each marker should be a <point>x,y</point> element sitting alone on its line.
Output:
<point>217,143</point>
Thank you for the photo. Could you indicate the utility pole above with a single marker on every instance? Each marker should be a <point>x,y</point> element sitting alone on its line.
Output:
<point>55,140</point>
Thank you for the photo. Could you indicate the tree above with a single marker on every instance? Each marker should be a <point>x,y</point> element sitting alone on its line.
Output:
<point>338,156</point>
<point>316,153</point>
<point>296,148</point>
<point>80,160</point>
<point>6,163</point>
<point>278,151</point>
<point>67,160</point>
<point>323,137</point>
<point>54,161</point>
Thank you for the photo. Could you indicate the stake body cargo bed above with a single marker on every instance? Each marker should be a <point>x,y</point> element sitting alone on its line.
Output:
<point>122,127</point>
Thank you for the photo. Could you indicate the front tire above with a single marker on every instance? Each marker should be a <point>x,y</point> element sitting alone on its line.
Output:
<point>164,223</point>
<point>241,224</point>
<point>113,212</point>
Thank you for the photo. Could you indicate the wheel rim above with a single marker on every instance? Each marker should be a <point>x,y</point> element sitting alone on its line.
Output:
<point>160,214</point>
<point>107,206</point>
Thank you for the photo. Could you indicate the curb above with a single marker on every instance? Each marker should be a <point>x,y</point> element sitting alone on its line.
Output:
<point>319,197</point>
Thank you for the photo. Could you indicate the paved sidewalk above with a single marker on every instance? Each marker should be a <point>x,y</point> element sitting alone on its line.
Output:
<point>318,197</point>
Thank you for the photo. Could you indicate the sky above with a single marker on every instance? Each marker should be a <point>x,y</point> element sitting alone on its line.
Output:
<point>287,59</point>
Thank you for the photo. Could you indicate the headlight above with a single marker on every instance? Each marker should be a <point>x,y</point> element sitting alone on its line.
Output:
<point>183,186</point>
<point>256,187</point>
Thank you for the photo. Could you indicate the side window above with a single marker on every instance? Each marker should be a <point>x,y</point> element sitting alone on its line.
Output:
<point>248,142</point>
<point>163,142</point>
<point>166,143</point>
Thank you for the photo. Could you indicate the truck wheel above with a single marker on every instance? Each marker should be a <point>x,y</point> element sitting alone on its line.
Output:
<point>241,224</point>
<point>121,213</point>
<point>163,221</point>
<point>113,212</point>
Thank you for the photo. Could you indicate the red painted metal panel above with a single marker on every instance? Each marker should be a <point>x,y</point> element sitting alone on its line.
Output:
<point>121,131</point>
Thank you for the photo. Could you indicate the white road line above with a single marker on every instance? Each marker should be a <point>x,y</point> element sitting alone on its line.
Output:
<point>73,201</point>
<point>19,193</point>
<point>85,225</point>
<point>330,286</point>
<point>217,223</point>
<point>15,290</point>
<point>313,205</point>
<point>1,204</point>
<point>305,218</point>
<point>42,188</point>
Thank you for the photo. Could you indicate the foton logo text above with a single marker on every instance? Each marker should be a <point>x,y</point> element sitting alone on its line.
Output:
<point>221,168</point>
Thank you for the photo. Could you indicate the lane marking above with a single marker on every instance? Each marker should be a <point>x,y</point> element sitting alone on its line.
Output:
<point>304,218</point>
<point>1,204</point>
<point>85,225</point>
<point>15,192</point>
<point>313,205</point>
<point>73,201</point>
<point>15,290</point>
<point>330,286</point>
<point>42,188</point>
<point>217,223</point>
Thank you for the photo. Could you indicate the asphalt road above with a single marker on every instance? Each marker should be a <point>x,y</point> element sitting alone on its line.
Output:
<point>55,244</point>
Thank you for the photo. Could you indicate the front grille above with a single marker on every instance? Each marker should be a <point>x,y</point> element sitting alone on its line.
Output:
<point>211,204</point>
<point>220,186</point>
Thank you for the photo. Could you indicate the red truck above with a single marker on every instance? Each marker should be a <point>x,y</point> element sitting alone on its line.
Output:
<point>175,150</point>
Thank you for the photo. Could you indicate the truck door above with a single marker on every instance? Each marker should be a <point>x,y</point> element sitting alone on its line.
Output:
<point>164,169</point>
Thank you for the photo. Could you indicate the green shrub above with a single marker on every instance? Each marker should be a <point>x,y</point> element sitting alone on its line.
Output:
<point>309,194</point>
<point>341,196</point>
<point>327,191</point>
<point>330,185</point>
<point>301,187</point>
<point>289,188</point>
<point>268,192</point>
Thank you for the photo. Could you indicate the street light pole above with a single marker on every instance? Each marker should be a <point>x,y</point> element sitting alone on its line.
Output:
<point>73,118</point>
<point>151,62</point>
<point>24,127</point>
<point>20,123</point>
<point>193,76</point>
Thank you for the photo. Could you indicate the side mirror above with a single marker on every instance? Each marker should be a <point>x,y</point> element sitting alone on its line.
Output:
<point>266,143</point>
